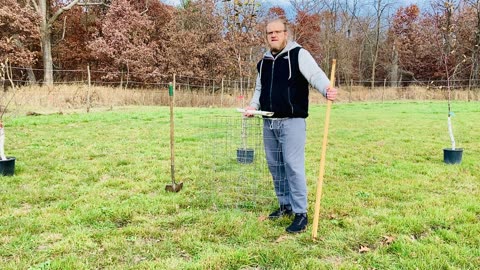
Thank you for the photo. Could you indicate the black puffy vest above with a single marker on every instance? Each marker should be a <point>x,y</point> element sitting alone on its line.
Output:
<point>281,95</point>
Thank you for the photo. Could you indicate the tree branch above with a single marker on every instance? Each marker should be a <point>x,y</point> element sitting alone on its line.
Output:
<point>61,10</point>
<point>64,27</point>
<point>35,6</point>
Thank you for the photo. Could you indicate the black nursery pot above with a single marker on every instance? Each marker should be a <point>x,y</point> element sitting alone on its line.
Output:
<point>245,155</point>
<point>7,166</point>
<point>452,156</point>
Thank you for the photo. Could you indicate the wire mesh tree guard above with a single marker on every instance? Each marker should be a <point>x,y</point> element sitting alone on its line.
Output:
<point>234,158</point>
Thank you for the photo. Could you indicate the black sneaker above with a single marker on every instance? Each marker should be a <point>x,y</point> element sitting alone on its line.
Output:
<point>284,210</point>
<point>299,224</point>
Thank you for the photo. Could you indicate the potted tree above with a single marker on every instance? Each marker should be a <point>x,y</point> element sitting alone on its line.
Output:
<point>451,155</point>
<point>244,154</point>
<point>7,164</point>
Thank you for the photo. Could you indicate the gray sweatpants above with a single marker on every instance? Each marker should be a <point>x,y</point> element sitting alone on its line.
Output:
<point>284,141</point>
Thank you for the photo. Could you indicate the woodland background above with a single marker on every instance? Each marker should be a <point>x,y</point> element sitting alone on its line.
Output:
<point>88,187</point>
<point>144,42</point>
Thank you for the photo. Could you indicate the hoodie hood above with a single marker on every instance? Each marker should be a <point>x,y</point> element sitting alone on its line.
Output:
<point>268,55</point>
<point>290,45</point>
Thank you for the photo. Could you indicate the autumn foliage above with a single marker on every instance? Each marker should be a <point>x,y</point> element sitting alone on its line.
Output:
<point>18,33</point>
<point>143,41</point>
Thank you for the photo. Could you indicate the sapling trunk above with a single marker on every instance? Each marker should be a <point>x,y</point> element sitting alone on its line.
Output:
<point>450,131</point>
<point>244,132</point>
<point>2,142</point>
<point>244,119</point>
<point>450,113</point>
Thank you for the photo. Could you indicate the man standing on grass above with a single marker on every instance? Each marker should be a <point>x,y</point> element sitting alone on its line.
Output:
<point>284,75</point>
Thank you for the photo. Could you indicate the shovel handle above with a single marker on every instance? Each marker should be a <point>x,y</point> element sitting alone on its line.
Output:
<point>170,89</point>
<point>172,127</point>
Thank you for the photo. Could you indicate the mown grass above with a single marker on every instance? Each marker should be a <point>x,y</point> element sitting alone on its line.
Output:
<point>88,193</point>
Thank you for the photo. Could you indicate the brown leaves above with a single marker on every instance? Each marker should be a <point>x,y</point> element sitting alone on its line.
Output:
<point>126,43</point>
<point>363,249</point>
<point>385,241</point>
<point>19,33</point>
<point>307,30</point>
<point>282,238</point>
<point>262,218</point>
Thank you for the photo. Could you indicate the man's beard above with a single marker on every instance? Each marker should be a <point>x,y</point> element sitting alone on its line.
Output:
<point>282,46</point>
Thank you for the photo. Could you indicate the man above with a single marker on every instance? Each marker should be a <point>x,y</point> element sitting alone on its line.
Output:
<point>284,75</point>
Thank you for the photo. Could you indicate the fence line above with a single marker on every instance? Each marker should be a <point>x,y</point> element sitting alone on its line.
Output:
<point>192,92</point>
<point>20,76</point>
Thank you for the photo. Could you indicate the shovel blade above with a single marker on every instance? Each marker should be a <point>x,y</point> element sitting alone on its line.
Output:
<point>175,187</point>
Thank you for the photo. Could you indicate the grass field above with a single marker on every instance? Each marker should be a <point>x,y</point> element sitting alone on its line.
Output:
<point>88,193</point>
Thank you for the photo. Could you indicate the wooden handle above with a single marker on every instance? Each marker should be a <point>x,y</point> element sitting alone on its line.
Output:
<point>172,128</point>
<point>324,152</point>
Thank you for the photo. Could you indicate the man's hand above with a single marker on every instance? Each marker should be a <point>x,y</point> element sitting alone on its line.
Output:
<point>249,108</point>
<point>331,93</point>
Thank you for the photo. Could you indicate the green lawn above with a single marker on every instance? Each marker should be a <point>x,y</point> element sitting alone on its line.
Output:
<point>88,193</point>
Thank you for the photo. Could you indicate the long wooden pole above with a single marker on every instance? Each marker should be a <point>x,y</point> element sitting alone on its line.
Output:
<point>322,160</point>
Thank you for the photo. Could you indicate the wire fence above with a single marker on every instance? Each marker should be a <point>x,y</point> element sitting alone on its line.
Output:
<point>24,76</point>
<point>83,92</point>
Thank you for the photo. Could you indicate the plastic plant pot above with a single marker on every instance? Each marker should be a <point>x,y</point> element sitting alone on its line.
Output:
<point>452,156</point>
<point>245,155</point>
<point>7,166</point>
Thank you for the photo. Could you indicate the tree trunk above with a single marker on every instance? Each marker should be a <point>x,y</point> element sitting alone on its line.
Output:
<point>46,35</point>
<point>377,42</point>
<point>475,54</point>
<point>31,76</point>
<point>394,70</point>
<point>46,44</point>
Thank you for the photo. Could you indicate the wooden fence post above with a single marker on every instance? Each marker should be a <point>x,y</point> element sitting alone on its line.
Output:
<point>213,90</point>
<point>221,97</point>
<point>204,90</point>
<point>235,88</point>
<point>350,91</point>
<point>469,89</point>
<point>88,88</point>
<point>384,86</point>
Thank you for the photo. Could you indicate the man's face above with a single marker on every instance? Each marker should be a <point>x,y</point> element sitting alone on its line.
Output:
<point>276,36</point>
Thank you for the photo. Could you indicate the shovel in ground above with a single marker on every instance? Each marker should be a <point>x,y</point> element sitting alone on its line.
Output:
<point>174,186</point>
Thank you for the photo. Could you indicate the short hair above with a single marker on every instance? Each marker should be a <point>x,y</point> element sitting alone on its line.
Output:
<point>285,24</point>
<point>280,20</point>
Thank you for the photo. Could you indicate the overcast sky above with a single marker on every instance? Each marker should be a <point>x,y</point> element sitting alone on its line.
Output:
<point>423,5</point>
<point>287,2</point>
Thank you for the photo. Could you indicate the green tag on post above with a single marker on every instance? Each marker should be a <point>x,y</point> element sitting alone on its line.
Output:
<point>170,89</point>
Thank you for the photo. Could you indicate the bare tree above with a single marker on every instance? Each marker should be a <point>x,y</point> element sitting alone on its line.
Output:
<point>242,33</point>
<point>380,11</point>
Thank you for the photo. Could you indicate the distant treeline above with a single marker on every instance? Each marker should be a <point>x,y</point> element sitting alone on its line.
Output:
<point>144,41</point>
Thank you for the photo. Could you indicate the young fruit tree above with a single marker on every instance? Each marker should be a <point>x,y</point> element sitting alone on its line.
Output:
<point>447,28</point>
<point>7,164</point>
